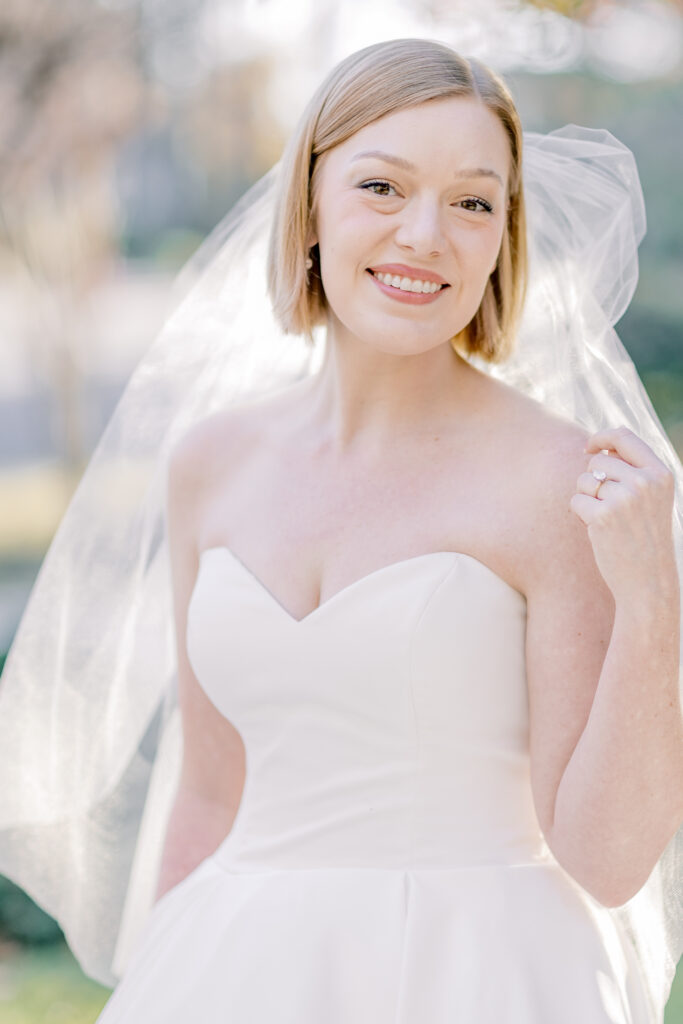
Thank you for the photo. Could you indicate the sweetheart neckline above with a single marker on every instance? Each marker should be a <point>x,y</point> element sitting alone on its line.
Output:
<point>350,587</point>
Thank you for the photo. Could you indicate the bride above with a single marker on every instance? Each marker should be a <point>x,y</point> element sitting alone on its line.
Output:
<point>398,447</point>
<point>427,627</point>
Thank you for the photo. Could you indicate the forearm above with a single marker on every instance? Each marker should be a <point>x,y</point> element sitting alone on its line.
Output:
<point>620,798</point>
<point>196,827</point>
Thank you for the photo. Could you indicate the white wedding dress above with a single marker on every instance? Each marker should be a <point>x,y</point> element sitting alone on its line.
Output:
<point>386,865</point>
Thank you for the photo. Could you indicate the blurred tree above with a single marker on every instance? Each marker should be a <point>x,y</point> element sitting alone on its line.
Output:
<point>583,8</point>
<point>123,120</point>
<point>80,83</point>
<point>21,920</point>
<point>70,90</point>
<point>570,8</point>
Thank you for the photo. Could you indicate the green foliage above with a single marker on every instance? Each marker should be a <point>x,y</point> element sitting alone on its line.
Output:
<point>46,986</point>
<point>648,118</point>
<point>666,391</point>
<point>674,1008</point>
<point>22,920</point>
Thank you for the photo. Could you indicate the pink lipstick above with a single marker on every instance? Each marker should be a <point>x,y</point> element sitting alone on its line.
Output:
<point>398,294</point>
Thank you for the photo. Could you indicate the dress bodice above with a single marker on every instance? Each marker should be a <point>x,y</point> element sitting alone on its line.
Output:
<point>389,726</point>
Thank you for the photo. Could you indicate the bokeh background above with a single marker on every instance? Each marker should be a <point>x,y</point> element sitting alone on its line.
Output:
<point>127,130</point>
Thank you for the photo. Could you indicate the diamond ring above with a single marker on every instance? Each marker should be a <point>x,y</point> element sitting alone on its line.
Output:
<point>600,476</point>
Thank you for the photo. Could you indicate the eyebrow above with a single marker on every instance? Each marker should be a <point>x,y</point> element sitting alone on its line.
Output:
<point>389,158</point>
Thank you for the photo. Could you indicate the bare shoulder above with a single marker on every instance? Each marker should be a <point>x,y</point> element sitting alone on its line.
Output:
<point>560,539</point>
<point>208,456</point>
<point>545,455</point>
<point>547,433</point>
<point>215,445</point>
<point>231,434</point>
<point>555,456</point>
<point>200,461</point>
<point>219,437</point>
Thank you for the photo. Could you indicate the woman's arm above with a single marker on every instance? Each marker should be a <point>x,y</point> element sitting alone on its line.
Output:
<point>602,657</point>
<point>212,772</point>
<point>197,826</point>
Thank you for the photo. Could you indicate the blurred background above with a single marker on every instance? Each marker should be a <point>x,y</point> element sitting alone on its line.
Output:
<point>127,130</point>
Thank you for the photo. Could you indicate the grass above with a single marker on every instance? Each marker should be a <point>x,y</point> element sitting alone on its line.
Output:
<point>674,1008</point>
<point>46,986</point>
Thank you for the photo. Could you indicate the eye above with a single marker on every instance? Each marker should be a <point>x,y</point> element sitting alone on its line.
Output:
<point>475,205</point>
<point>378,187</point>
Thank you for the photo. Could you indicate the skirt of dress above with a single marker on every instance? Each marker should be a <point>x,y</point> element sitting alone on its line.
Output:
<point>490,944</point>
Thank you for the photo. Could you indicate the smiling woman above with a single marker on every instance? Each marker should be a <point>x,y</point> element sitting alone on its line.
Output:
<point>370,97</point>
<point>429,208</point>
<point>387,705</point>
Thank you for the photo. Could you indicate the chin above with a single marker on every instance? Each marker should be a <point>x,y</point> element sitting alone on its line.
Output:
<point>413,339</point>
<point>397,334</point>
<point>398,340</point>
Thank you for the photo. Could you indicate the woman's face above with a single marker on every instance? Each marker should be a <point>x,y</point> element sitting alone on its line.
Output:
<point>416,200</point>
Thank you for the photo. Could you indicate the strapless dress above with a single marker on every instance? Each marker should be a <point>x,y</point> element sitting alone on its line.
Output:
<point>386,864</point>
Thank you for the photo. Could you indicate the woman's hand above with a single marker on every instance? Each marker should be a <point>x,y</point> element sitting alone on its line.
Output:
<point>628,514</point>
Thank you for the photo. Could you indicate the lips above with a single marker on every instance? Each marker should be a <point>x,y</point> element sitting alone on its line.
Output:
<point>402,270</point>
<point>407,295</point>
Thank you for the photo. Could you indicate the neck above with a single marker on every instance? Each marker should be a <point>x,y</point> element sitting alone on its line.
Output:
<point>365,399</point>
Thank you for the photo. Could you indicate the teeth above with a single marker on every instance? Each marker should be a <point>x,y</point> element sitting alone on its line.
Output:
<point>409,284</point>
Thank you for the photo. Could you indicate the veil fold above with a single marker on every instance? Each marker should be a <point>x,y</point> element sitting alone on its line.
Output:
<point>90,734</point>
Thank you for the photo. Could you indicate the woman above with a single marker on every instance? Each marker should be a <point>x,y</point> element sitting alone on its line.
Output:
<point>427,627</point>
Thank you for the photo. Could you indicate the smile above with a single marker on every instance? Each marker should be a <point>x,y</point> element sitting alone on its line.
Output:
<point>407,289</point>
<point>408,284</point>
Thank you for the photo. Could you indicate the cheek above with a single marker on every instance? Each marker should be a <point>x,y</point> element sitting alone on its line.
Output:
<point>351,224</point>
<point>481,249</point>
<point>348,246</point>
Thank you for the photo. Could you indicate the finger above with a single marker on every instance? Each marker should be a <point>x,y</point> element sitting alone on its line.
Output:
<point>637,480</point>
<point>584,507</point>
<point>611,465</point>
<point>628,445</point>
<point>615,468</point>
<point>588,485</point>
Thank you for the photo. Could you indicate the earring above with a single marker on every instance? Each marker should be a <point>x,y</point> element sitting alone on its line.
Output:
<point>309,263</point>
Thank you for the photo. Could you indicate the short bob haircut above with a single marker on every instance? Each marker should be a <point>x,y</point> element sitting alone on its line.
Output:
<point>367,85</point>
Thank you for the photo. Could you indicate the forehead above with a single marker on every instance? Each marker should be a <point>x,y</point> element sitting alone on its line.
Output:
<point>440,135</point>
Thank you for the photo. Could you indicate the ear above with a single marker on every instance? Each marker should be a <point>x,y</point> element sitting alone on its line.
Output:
<point>312,232</point>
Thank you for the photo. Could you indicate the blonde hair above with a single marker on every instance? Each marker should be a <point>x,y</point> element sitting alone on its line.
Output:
<point>367,85</point>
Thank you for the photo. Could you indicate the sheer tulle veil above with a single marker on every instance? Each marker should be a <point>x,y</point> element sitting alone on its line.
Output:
<point>90,742</point>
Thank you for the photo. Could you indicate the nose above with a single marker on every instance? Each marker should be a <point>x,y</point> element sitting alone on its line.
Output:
<point>421,229</point>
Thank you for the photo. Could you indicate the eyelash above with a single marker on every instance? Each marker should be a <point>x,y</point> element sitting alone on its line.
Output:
<point>484,205</point>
